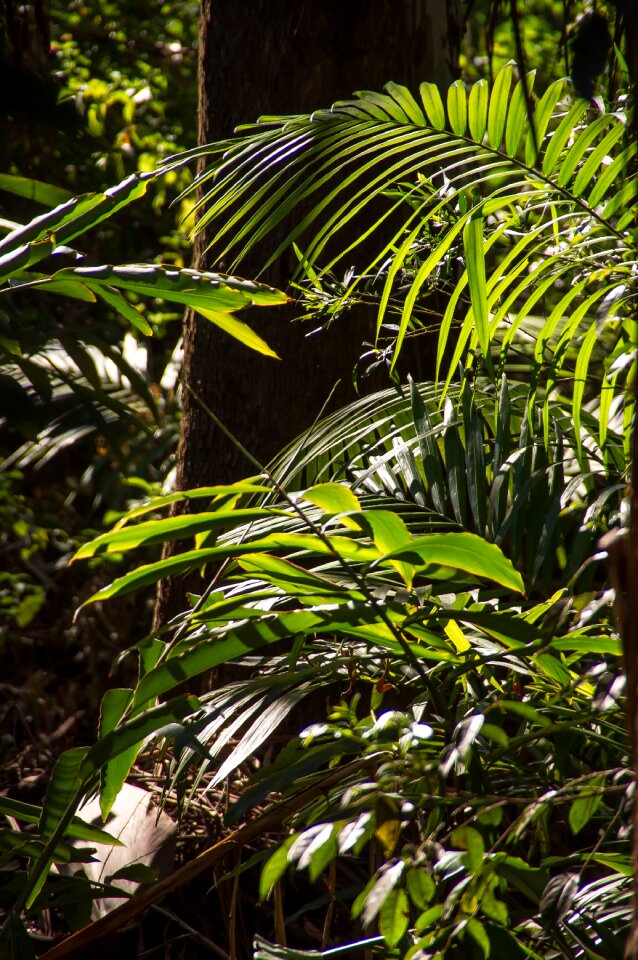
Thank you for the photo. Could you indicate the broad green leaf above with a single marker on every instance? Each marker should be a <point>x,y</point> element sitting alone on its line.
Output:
<point>374,895</point>
<point>509,629</point>
<point>137,872</point>
<point>428,919</point>
<point>584,808</point>
<point>461,551</point>
<point>583,643</point>
<point>387,529</point>
<point>504,943</point>
<point>209,493</point>
<point>469,839</point>
<point>243,639</point>
<point>524,710</point>
<point>274,868</point>
<point>323,856</point>
<point>295,579</point>
<point>193,288</point>
<point>150,573</point>
<point>76,216</point>
<point>617,862</point>
<point>114,705</point>
<point>552,667</point>
<point>192,559</point>
<point>15,260</point>
<point>394,916</point>
<point>65,288</point>
<point>332,497</point>
<point>479,935</point>
<point>421,887</point>
<point>62,796</point>
<point>529,880</point>
<point>309,843</point>
<point>134,731</point>
<point>388,532</point>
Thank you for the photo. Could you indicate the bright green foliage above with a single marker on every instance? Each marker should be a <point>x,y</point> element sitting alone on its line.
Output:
<point>426,562</point>
<point>88,368</point>
<point>545,240</point>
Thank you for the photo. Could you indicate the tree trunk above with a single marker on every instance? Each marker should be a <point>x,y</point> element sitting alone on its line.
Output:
<point>281,57</point>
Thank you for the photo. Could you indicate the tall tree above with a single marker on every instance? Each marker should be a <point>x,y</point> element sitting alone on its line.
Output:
<point>280,57</point>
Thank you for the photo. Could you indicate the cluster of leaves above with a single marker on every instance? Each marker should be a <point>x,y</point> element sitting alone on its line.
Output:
<point>436,579</point>
<point>87,402</point>
<point>69,393</point>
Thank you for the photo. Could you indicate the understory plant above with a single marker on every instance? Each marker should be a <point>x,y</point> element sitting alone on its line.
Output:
<point>416,591</point>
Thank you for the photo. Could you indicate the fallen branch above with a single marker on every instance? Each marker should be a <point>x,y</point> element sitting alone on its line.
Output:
<point>269,820</point>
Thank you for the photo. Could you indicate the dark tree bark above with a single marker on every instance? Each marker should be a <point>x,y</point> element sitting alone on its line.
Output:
<point>280,57</point>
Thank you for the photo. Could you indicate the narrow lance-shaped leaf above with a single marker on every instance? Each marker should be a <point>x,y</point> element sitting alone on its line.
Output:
<point>189,287</point>
<point>475,459</point>
<point>518,114</point>
<point>475,261</point>
<point>35,190</point>
<point>62,796</point>
<point>479,99</point>
<point>561,135</point>
<point>433,105</point>
<point>115,771</point>
<point>457,107</point>
<point>499,102</point>
<point>238,330</point>
<point>170,528</point>
<point>542,116</point>
<point>429,450</point>
<point>579,382</point>
<point>456,465</point>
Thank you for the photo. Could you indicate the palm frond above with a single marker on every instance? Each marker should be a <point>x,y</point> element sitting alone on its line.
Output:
<point>513,222</point>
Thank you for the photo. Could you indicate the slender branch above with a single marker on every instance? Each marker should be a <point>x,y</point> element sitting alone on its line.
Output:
<point>273,817</point>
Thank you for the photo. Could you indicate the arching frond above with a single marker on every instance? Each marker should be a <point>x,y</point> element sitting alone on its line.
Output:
<point>524,227</point>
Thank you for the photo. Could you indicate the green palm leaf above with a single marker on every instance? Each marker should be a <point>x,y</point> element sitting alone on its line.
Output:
<point>475,180</point>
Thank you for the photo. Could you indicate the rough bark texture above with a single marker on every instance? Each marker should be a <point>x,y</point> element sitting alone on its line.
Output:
<point>279,57</point>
